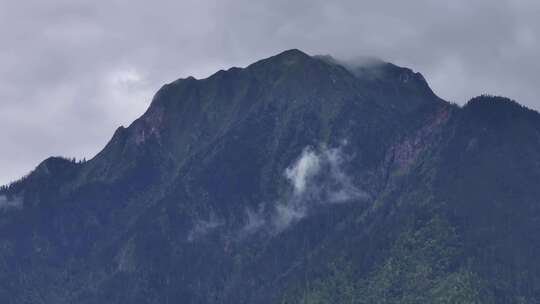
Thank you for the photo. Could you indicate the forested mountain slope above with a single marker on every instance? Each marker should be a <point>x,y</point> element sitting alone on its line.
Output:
<point>294,180</point>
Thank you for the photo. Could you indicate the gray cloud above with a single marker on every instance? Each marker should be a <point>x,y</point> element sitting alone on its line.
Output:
<point>72,71</point>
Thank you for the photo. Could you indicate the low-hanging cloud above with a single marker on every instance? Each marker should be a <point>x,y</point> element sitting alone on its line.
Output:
<point>255,220</point>
<point>202,228</point>
<point>320,175</point>
<point>287,213</point>
<point>304,169</point>
<point>316,178</point>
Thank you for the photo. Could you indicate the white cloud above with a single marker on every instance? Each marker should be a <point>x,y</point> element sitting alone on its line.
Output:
<point>204,227</point>
<point>318,177</point>
<point>288,213</point>
<point>255,220</point>
<point>341,187</point>
<point>303,169</point>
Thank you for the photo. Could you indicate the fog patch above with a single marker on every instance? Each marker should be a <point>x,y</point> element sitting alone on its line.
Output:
<point>318,177</point>
<point>203,227</point>
<point>255,220</point>
<point>287,214</point>
<point>339,186</point>
<point>10,203</point>
<point>305,167</point>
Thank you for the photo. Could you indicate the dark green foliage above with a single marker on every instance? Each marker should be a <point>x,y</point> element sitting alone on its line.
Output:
<point>423,265</point>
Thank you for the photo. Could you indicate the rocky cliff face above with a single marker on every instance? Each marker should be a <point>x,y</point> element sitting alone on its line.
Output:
<point>294,179</point>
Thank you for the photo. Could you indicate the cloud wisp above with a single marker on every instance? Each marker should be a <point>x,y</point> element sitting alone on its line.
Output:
<point>318,178</point>
<point>307,166</point>
<point>202,228</point>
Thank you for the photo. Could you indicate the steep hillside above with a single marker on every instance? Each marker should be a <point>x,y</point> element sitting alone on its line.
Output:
<point>293,180</point>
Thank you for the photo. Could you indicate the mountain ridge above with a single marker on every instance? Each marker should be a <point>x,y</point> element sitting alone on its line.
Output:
<point>292,180</point>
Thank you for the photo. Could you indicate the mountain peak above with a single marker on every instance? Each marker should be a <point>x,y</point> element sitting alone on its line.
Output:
<point>292,53</point>
<point>499,110</point>
<point>295,174</point>
<point>286,58</point>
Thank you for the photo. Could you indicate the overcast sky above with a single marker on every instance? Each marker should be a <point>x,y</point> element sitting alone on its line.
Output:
<point>72,71</point>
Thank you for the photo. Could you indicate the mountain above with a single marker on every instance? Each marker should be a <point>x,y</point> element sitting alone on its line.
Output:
<point>297,179</point>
